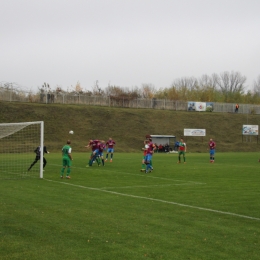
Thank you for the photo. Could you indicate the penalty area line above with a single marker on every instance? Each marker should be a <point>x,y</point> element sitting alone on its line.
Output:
<point>157,200</point>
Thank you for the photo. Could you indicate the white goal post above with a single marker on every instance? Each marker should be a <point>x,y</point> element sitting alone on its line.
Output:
<point>18,142</point>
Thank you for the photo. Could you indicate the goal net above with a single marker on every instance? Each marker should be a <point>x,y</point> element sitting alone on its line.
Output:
<point>18,142</point>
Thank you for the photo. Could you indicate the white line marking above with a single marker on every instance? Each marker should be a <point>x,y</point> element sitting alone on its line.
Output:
<point>143,175</point>
<point>158,200</point>
<point>155,177</point>
<point>147,186</point>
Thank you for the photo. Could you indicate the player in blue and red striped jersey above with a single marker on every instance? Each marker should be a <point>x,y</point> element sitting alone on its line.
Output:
<point>149,155</point>
<point>110,148</point>
<point>212,146</point>
<point>101,148</point>
<point>94,147</point>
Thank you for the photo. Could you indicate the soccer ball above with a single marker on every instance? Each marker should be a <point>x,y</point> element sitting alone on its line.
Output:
<point>71,132</point>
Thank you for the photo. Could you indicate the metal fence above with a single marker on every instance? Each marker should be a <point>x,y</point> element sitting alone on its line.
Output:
<point>84,99</point>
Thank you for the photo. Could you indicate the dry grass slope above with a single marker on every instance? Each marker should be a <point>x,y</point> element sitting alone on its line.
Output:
<point>129,126</point>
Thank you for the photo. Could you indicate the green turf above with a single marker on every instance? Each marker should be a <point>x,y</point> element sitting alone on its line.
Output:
<point>192,211</point>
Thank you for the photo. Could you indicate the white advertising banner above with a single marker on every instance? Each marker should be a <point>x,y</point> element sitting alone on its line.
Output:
<point>250,130</point>
<point>197,106</point>
<point>194,132</point>
<point>200,106</point>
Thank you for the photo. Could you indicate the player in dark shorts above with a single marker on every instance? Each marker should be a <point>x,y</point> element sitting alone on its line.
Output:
<point>38,156</point>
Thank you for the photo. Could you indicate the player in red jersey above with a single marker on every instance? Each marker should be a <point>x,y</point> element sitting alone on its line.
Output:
<point>101,148</point>
<point>110,148</point>
<point>94,147</point>
<point>148,157</point>
<point>212,146</point>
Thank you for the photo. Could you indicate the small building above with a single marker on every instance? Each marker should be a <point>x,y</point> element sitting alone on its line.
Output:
<point>164,140</point>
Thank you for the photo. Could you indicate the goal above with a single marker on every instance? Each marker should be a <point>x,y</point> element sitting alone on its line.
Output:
<point>17,144</point>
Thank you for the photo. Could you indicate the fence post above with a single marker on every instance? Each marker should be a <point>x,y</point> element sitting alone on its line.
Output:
<point>11,92</point>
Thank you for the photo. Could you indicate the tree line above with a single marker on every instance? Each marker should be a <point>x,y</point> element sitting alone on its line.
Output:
<point>227,87</point>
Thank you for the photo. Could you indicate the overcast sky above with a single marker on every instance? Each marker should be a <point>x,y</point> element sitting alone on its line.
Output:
<point>126,43</point>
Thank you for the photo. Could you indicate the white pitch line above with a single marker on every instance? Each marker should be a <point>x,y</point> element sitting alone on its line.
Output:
<point>155,177</point>
<point>148,175</point>
<point>158,200</point>
<point>147,186</point>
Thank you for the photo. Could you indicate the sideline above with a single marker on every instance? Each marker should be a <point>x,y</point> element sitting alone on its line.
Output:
<point>157,200</point>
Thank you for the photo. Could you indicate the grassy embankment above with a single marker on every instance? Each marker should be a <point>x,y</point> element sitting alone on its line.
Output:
<point>129,126</point>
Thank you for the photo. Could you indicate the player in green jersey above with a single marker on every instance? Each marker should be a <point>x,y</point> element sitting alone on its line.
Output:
<point>66,159</point>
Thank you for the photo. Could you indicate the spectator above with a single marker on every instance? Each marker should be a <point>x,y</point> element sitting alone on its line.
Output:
<point>156,148</point>
<point>236,109</point>
<point>48,97</point>
<point>52,98</point>
<point>41,97</point>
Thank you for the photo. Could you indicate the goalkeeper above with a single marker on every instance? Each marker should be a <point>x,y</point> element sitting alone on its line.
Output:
<point>38,156</point>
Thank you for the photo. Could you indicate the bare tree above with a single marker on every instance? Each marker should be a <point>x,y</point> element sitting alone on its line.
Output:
<point>232,82</point>
<point>189,83</point>
<point>148,90</point>
<point>97,90</point>
<point>185,88</point>
<point>114,91</point>
<point>257,85</point>
<point>207,81</point>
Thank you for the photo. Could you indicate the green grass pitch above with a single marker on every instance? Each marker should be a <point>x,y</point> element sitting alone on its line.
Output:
<point>192,211</point>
